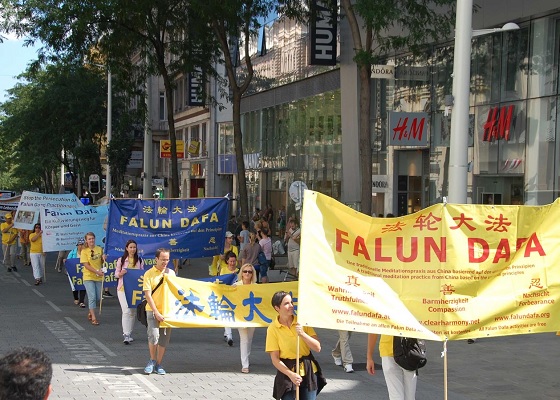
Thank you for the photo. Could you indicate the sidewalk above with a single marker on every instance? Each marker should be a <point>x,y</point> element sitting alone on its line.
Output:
<point>92,362</point>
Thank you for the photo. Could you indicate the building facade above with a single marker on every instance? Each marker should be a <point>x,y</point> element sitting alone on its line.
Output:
<point>306,129</point>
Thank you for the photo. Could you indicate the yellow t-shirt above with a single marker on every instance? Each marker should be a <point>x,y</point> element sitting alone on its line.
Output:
<point>222,264</point>
<point>10,236</point>
<point>386,346</point>
<point>37,245</point>
<point>95,259</point>
<point>151,280</point>
<point>280,338</point>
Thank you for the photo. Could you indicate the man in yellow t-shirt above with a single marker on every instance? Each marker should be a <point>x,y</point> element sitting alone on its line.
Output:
<point>9,238</point>
<point>158,338</point>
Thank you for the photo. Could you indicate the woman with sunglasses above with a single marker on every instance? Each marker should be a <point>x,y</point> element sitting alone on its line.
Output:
<point>92,259</point>
<point>247,276</point>
<point>129,260</point>
<point>36,253</point>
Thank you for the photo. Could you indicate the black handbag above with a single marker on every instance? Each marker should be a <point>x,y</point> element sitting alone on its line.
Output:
<point>141,314</point>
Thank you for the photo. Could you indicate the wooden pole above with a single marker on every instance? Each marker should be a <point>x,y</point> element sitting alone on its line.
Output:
<point>297,366</point>
<point>445,369</point>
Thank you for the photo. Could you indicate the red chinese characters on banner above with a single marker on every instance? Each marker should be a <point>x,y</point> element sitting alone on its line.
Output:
<point>498,123</point>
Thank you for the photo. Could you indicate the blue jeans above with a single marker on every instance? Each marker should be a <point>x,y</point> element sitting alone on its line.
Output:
<point>93,289</point>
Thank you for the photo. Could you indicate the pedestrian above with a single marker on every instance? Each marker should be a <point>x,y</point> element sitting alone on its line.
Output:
<point>92,259</point>
<point>250,254</point>
<point>9,242</point>
<point>231,262</point>
<point>293,238</point>
<point>158,338</point>
<point>282,337</point>
<point>79,295</point>
<point>129,260</point>
<point>243,236</point>
<point>281,221</point>
<point>24,243</point>
<point>341,353</point>
<point>247,276</point>
<point>266,246</point>
<point>401,383</point>
<point>25,374</point>
<point>36,253</point>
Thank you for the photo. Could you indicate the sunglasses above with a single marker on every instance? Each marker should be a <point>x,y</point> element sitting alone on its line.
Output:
<point>248,272</point>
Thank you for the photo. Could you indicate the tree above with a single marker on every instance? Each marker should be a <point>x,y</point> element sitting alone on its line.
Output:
<point>235,23</point>
<point>137,38</point>
<point>57,117</point>
<point>379,28</point>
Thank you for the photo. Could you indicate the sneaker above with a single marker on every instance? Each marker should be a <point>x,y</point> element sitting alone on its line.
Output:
<point>338,361</point>
<point>225,338</point>
<point>348,368</point>
<point>126,339</point>
<point>130,339</point>
<point>470,341</point>
<point>160,370</point>
<point>14,269</point>
<point>9,269</point>
<point>150,367</point>
<point>107,294</point>
<point>230,341</point>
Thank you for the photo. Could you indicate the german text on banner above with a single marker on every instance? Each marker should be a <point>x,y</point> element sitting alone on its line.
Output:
<point>189,303</point>
<point>64,226</point>
<point>190,228</point>
<point>28,210</point>
<point>449,271</point>
<point>75,272</point>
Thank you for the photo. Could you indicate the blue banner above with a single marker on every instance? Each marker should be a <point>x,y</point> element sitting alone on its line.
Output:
<point>191,228</point>
<point>75,274</point>
<point>134,279</point>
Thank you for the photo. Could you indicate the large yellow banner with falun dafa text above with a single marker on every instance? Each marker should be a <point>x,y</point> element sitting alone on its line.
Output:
<point>449,271</point>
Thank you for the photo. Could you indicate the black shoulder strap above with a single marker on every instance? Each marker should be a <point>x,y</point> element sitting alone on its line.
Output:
<point>158,285</point>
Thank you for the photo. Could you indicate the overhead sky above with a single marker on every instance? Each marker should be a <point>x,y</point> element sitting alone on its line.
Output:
<point>14,57</point>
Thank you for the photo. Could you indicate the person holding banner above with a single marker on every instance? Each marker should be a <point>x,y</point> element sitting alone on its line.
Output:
<point>247,276</point>
<point>158,338</point>
<point>288,342</point>
<point>129,260</point>
<point>79,295</point>
<point>36,254</point>
<point>9,243</point>
<point>219,262</point>
<point>401,383</point>
<point>92,259</point>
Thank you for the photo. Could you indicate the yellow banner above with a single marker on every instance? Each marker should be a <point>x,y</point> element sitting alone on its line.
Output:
<point>449,271</point>
<point>189,303</point>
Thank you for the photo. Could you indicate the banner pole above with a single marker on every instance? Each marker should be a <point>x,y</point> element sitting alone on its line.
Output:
<point>297,366</point>
<point>445,369</point>
<point>101,301</point>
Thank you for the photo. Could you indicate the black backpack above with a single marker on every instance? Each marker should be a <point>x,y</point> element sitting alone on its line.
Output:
<point>409,353</point>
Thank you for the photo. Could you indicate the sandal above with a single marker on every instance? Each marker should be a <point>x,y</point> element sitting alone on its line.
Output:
<point>94,322</point>
<point>76,302</point>
<point>245,370</point>
<point>37,282</point>
<point>82,305</point>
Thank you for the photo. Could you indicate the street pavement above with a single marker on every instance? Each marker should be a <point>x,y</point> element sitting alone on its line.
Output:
<point>91,362</point>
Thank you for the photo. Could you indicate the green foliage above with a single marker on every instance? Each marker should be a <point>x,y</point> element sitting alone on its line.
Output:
<point>57,117</point>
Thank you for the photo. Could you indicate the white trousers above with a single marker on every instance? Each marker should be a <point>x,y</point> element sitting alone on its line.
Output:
<point>128,314</point>
<point>38,264</point>
<point>245,342</point>
<point>401,383</point>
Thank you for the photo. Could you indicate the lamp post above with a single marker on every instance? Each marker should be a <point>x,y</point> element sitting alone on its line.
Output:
<point>458,146</point>
<point>109,131</point>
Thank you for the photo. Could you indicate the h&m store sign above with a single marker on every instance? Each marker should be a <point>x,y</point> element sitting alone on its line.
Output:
<point>498,123</point>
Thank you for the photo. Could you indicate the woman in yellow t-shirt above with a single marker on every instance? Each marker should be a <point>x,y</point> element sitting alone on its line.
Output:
<point>92,259</point>
<point>282,336</point>
<point>36,254</point>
